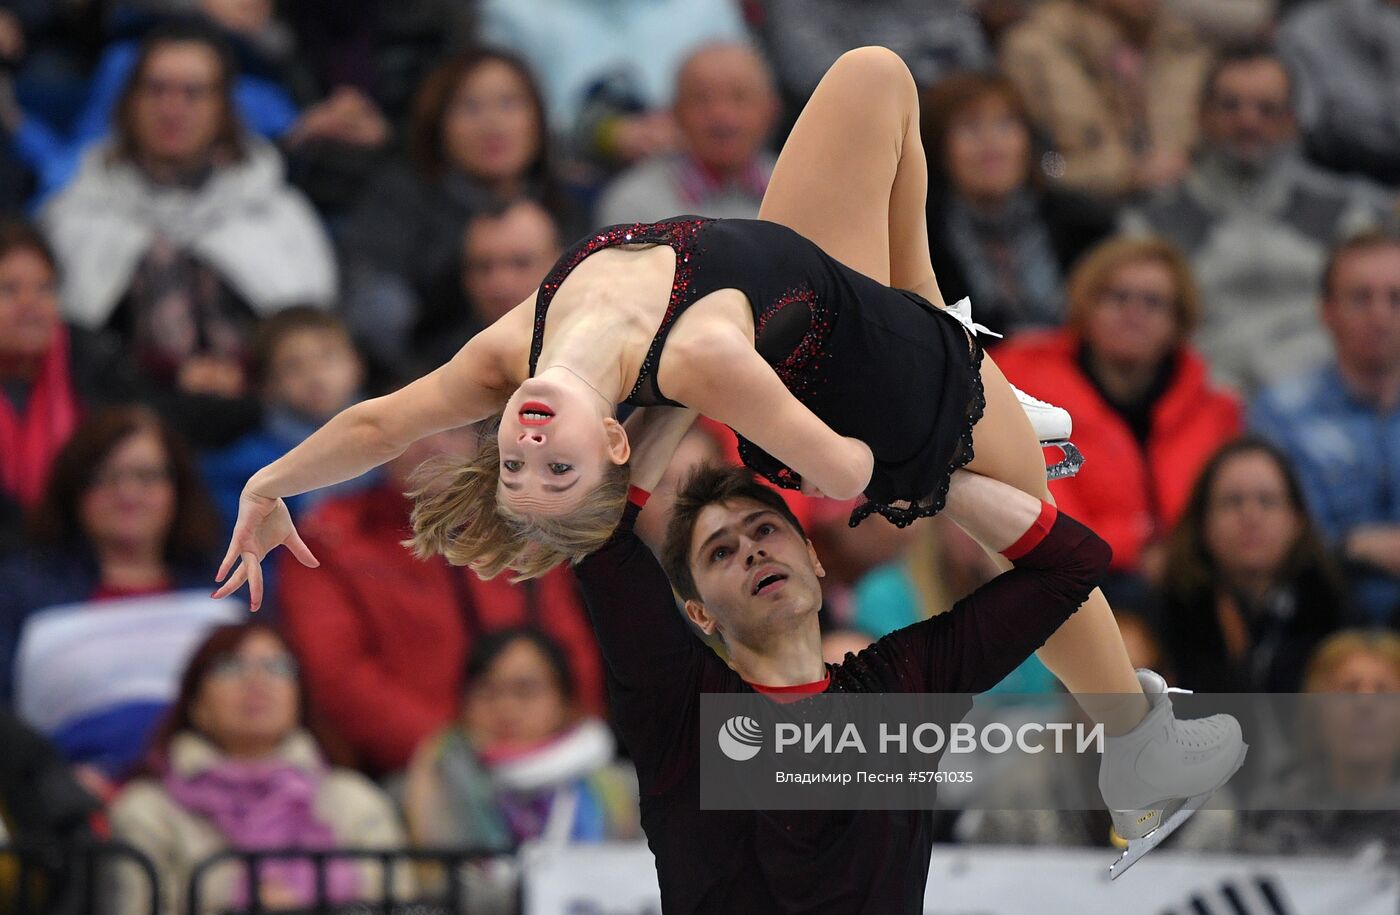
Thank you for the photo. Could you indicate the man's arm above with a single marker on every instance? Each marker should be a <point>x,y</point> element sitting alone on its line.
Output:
<point>643,638</point>
<point>987,634</point>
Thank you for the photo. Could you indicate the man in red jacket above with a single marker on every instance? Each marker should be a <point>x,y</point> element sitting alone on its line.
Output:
<point>383,637</point>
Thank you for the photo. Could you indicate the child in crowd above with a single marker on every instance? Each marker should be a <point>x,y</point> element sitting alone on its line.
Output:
<point>306,370</point>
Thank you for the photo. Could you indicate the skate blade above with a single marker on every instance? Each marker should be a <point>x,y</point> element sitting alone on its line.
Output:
<point>1068,465</point>
<point>1170,823</point>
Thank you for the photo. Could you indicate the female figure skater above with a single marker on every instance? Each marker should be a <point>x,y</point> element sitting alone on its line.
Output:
<point>796,330</point>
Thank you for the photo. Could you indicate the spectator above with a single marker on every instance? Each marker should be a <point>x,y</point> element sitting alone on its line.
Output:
<point>1249,589</point>
<point>50,373</point>
<point>380,49</point>
<point>121,561</point>
<point>306,370</point>
<point>384,636</point>
<point>520,763</point>
<point>507,250</point>
<point>476,140</point>
<point>1144,413</point>
<point>55,155</point>
<point>1116,83</point>
<point>1346,54</point>
<point>41,405</point>
<point>1340,423</point>
<point>940,566</point>
<point>608,70</point>
<point>934,37</point>
<point>724,108</point>
<point>1342,795</point>
<point>179,231</point>
<point>995,232</point>
<point>43,807</point>
<point>235,765</point>
<point>1255,223</point>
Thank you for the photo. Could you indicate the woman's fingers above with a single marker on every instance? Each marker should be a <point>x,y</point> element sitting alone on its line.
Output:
<point>240,575</point>
<point>255,581</point>
<point>301,551</point>
<point>229,557</point>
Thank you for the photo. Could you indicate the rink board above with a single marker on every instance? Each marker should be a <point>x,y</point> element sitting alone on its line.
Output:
<point>620,879</point>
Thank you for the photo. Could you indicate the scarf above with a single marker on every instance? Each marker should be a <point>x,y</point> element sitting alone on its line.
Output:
<point>496,801</point>
<point>29,440</point>
<point>1009,261</point>
<point>264,804</point>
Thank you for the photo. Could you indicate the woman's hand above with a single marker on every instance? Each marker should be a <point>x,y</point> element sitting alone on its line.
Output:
<point>263,525</point>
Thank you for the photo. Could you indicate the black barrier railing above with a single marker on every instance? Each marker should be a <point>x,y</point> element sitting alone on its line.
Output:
<point>390,901</point>
<point>69,877</point>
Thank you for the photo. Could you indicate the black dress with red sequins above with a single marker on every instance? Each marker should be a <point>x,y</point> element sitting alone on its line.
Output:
<point>874,363</point>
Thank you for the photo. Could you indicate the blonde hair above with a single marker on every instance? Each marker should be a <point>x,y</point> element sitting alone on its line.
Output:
<point>456,513</point>
<point>1337,648</point>
<point>1091,276</point>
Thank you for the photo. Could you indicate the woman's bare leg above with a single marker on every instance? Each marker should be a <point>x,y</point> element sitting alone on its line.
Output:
<point>1087,652</point>
<point>852,176</point>
<point>853,179</point>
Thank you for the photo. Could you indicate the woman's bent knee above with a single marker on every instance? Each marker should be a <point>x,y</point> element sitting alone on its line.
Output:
<point>877,68</point>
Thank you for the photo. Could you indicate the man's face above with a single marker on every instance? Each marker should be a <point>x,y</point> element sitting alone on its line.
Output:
<point>725,106</point>
<point>1363,309</point>
<point>178,104</point>
<point>504,260</point>
<point>1247,115</point>
<point>757,576</point>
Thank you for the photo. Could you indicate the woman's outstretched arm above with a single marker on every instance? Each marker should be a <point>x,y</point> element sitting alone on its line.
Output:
<point>472,386</point>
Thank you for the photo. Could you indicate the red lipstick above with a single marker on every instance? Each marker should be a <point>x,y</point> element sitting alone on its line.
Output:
<point>538,414</point>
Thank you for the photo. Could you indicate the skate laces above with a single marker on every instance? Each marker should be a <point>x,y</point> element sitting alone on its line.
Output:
<point>962,310</point>
<point>1025,398</point>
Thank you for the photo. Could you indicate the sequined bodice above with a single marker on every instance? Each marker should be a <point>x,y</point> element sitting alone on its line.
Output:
<point>706,262</point>
<point>873,363</point>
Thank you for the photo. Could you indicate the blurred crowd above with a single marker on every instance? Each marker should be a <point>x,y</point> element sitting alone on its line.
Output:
<point>227,220</point>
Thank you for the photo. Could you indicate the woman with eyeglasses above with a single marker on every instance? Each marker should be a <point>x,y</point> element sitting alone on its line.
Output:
<point>521,763</point>
<point>99,611</point>
<point>1145,413</point>
<point>1249,588</point>
<point>236,765</point>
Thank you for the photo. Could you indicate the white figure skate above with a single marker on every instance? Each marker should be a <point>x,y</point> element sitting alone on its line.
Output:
<point>1162,771</point>
<point>1052,424</point>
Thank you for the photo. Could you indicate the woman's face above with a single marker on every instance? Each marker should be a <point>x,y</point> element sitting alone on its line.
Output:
<point>518,702</point>
<point>179,104</point>
<point>130,503</point>
<point>556,443</point>
<point>249,701</point>
<point>1250,523</point>
<point>28,304</point>
<point>988,150</point>
<point>1364,728</point>
<point>490,129</point>
<point>1134,321</point>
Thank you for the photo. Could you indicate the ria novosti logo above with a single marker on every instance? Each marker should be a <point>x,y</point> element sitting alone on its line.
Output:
<point>740,738</point>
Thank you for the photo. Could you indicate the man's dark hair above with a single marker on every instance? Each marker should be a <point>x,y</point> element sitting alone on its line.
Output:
<point>1361,241</point>
<point>1245,52</point>
<point>272,331</point>
<point>710,484</point>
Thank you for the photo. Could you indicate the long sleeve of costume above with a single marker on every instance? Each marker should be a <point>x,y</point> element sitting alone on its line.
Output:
<point>656,668</point>
<point>990,632</point>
